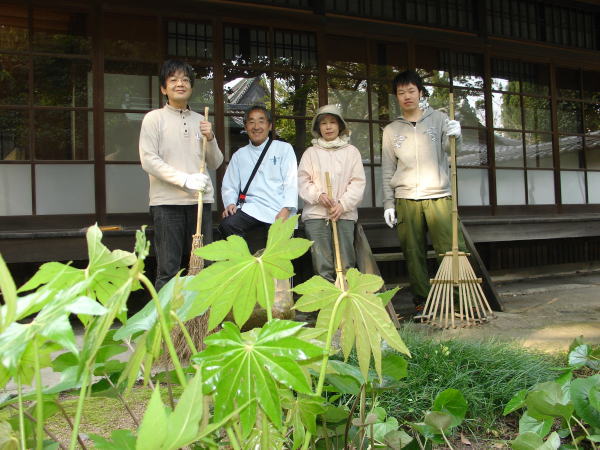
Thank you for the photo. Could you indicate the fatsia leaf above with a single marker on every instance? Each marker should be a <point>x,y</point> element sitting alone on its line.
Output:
<point>361,316</point>
<point>60,274</point>
<point>152,432</point>
<point>253,365</point>
<point>240,280</point>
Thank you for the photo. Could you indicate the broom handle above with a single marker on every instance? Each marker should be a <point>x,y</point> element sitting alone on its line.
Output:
<point>202,168</point>
<point>336,242</point>
<point>454,197</point>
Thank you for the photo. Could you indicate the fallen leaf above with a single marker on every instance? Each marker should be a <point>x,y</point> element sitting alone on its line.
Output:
<point>464,440</point>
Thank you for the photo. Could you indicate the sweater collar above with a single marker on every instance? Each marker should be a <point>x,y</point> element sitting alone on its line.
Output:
<point>177,110</point>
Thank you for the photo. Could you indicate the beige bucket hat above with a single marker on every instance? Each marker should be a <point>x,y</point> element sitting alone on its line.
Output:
<point>334,111</point>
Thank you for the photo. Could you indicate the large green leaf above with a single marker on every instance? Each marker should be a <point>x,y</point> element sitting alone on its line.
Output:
<point>584,355</point>
<point>119,440</point>
<point>440,421</point>
<point>517,402</point>
<point>239,280</point>
<point>362,316</point>
<point>8,438</point>
<point>532,441</point>
<point>152,432</point>
<point>451,401</point>
<point>549,400</point>
<point>9,295</point>
<point>541,427</point>
<point>584,393</point>
<point>252,365</point>
<point>302,414</point>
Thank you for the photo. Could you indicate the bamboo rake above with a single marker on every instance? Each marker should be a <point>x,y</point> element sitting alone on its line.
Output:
<point>455,274</point>
<point>340,281</point>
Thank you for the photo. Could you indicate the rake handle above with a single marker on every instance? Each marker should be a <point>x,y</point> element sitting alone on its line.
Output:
<point>336,242</point>
<point>202,169</point>
<point>454,197</point>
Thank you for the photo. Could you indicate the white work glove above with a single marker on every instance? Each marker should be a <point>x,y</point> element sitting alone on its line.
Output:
<point>390,217</point>
<point>453,128</point>
<point>197,182</point>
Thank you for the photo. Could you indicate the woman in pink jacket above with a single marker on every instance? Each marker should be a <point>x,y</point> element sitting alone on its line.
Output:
<point>331,152</point>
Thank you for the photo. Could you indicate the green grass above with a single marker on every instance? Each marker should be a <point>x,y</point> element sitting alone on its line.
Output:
<point>488,373</point>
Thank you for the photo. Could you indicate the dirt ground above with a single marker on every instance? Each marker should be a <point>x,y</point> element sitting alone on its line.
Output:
<point>545,311</point>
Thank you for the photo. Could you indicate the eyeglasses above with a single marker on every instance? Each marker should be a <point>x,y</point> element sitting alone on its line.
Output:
<point>175,81</point>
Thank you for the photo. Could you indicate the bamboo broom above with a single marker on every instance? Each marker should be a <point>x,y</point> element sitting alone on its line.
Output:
<point>340,281</point>
<point>198,326</point>
<point>455,273</point>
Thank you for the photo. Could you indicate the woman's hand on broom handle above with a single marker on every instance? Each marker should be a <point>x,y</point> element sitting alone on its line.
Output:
<point>336,211</point>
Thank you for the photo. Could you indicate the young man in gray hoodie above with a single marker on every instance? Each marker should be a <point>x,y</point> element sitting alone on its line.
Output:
<point>416,179</point>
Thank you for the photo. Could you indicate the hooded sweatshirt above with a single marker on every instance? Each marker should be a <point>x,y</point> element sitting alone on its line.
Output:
<point>344,164</point>
<point>415,161</point>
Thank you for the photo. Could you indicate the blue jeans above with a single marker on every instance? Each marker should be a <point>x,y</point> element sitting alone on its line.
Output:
<point>174,226</point>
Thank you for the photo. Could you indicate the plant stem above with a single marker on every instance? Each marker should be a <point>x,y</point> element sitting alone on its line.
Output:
<point>186,333</point>
<point>79,412</point>
<point>325,359</point>
<point>350,415</point>
<point>21,418</point>
<point>165,330</point>
<point>571,431</point>
<point>232,439</point>
<point>135,419</point>
<point>39,404</point>
<point>447,441</point>
<point>585,431</point>
<point>68,420</point>
<point>361,414</point>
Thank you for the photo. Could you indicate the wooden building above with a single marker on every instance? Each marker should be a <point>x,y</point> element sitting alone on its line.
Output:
<point>76,78</point>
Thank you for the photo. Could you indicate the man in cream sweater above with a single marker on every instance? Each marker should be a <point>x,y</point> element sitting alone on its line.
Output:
<point>170,151</point>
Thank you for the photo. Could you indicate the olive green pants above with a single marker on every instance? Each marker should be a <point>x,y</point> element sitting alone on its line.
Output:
<point>323,260</point>
<point>415,218</point>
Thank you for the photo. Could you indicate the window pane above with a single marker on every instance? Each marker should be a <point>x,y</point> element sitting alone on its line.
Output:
<point>360,139</point>
<point>473,151</point>
<point>473,187</point>
<point>14,22</point>
<point>296,132</point>
<point>384,105</point>
<point>14,80</point>
<point>540,187</point>
<point>244,88</point>
<point>510,187</point>
<point>567,82</point>
<point>572,187</point>
<point>537,113</point>
<point>63,135</point>
<point>295,49</point>
<point>469,107</point>
<point>506,75</point>
<point>387,59</point>
<point>64,189</point>
<point>14,135</point>
<point>235,135</point>
<point>296,94</point>
<point>131,37</point>
<point>122,135</point>
<point>593,180</point>
<point>15,195</point>
<point>507,111</point>
<point>431,66</point>
<point>203,92</point>
<point>61,32</point>
<point>62,82</point>
<point>438,97</point>
<point>538,149</point>
<point>571,152</point>
<point>130,85</point>
<point>569,117</point>
<point>591,117</point>
<point>592,152</point>
<point>535,79</point>
<point>509,149</point>
<point>350,95</point>
<point>591,86</point>
<point>189,39</point>
<point>466,69</point>
<point>126,188</point>
<point>244,45</point>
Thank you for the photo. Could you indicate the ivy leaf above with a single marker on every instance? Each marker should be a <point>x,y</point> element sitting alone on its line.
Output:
<point>239,280</point>
<point>252,365</point>
<point>362,317</point>
<point>585,396</point>
<point>532,441</point>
